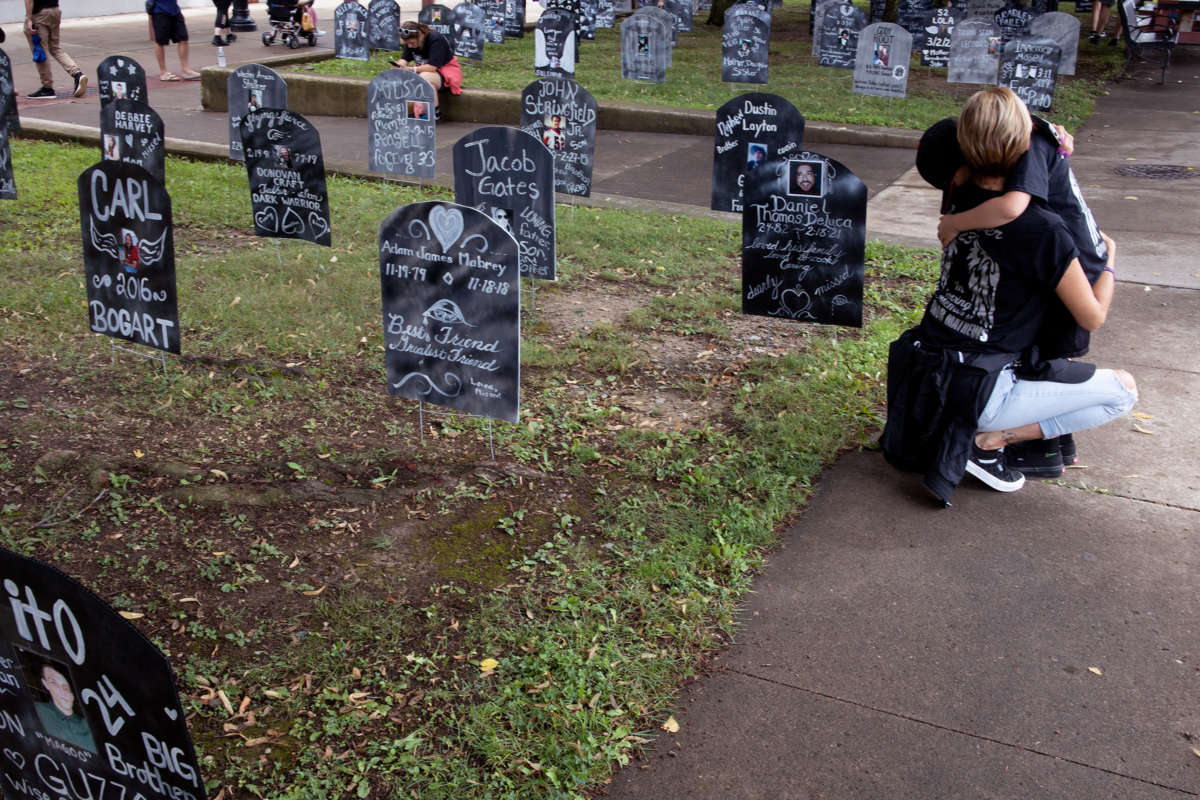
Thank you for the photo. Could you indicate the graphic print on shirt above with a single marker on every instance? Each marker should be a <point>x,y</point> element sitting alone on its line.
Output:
<point>965,300</point>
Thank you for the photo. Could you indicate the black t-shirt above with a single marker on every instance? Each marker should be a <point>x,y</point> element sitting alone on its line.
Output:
<point>41,5</point>
<point>997,284</point>
<point>435,51</point>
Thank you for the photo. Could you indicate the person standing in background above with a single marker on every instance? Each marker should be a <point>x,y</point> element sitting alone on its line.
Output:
<point>167,25</point>
<point>222,25</point>
<point>42,18</point>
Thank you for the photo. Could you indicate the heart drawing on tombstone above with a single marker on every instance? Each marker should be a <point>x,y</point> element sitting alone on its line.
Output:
<point>317,224</point>
<point>171,713</point>
<point>292,224</point>
<point>447,225</point>
<point>267,219</point>
<point>15,757</point>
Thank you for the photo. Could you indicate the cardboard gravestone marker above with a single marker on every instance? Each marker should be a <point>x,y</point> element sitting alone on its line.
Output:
<point>493,20</point>
<point>911,15</point>
<point>819,9</point>
<point>562,114</point>
<point>383,25</point>
<point>804,234</point>
<point>1029,66</point>
<point>876,11</point>
<point>287,176</point>
<point>744,47</point>
<point>1083,6</point>
<point>514,19</point>
<point>1043,6</point>
<point>508,174</point>
<point>1013,20</point>
<point>451,309</point>
<point>8,182</point>
<point>470,31</point>
<point>129,255</point>
<point>440,18</point>
<point>400,124</point>
<point>124,734</point>
<point>554,44</point>
<point>974,52</point>
<point>668,21</point>
<point>121,78</point>
<point>350,33</point>
<point>572,7</point>
<point>1063,28</point>
<point>984,8</point>
<point>881,64</point>
<point>681,10</point>
<point>250,88</point>
<point>132,132</point>
<point>588,9</point>
<point>606,14</point>
<point>9,117</point>
<point>751,129</point>
<point>839,35</point>
<point>645,48</point>
<point>939,28</point>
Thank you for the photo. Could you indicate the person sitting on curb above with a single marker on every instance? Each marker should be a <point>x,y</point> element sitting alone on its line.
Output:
<point>430,55</point>
<point>167,25</point>
<point>967,382</point>
<point>1044,175</point>
<point>42,20</point>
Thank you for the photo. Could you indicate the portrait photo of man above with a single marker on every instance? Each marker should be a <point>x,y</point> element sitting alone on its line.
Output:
<point>804,178</point>
<point>55,700</point>
<point>755,154</point>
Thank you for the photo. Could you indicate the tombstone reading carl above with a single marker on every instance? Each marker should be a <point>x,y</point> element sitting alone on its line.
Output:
<point>8,96</point>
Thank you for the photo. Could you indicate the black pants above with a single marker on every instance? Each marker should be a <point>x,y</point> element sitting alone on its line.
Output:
<point>222,13</point>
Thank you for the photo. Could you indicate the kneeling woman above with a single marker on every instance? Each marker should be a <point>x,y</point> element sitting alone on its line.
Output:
<point>429,54</point>
<point>966,381</point>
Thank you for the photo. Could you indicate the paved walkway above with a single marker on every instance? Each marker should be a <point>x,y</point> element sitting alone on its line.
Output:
<point>1042,645</point>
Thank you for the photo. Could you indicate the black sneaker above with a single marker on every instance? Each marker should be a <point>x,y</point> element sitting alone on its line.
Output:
<point>219,42</point>
<point>230,38</point>
<point>1094,37</point>
<point>45,91</point>
<point>1036,459</point>
<point>80,84</point>
<point>1066,446</point>
<point>989,467</point>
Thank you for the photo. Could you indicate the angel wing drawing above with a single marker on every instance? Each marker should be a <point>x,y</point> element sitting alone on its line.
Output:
<point>105,242</point>
<point>152,251</point>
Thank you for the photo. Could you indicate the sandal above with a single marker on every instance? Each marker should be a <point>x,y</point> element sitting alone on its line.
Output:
<point>191,76</point>
<point>168,77</point>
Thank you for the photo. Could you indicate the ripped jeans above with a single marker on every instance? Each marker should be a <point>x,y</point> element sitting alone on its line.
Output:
<point>1057,407</point>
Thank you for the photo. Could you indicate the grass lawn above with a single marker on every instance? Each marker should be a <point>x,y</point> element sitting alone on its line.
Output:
<point>353,612</point>
<point>820,93</point>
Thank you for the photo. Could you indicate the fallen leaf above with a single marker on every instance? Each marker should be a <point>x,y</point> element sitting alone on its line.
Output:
<point>1095,670</point>
<point>1196,752</point>
<point>132,614</point>
<point>671,726</point>
<point>219,474</point>
<point>1140,429</point>
<point>242,706</point>
<point>1132,197</point>
<point>314,592</point>
<point>1140,415</point>
<point>488,664</point>
<point>138,454</point>
<point>236,300</point>
<point>225,701</point>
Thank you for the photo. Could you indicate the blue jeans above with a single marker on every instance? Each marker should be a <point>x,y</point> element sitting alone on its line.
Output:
<point>1057,407</point>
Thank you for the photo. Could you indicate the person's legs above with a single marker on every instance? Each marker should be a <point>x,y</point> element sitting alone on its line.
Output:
<point>52,43</point>
<point>160,53</point>
<point>183,58</point>
<point>1025,410</point>
<point>43,67</point>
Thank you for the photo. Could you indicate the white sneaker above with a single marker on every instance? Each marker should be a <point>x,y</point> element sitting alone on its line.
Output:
<point>989,467</point>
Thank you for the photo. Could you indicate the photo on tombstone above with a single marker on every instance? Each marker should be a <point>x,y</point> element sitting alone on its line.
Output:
<point>89,702</point>
<point>493,20</point>
<point>400,129</point>
<point>1013,20</point>
<point>881,65</point>
<point>9,117</point>
<point>1063,28</point>
<point>939,28</point>
<point>8,182</point>
<point>666,18</point>
<point>469,31</point>
<point>129,255</point>
<point>745,42</point>
<point>514,19</point>
<point>350,34</point>
<point>562,114</point>
<point>554,44</point>
<point>250,88</point>
<point>440,18</point>
<point>1029,66</point>
<point>121,78</point>
<point>508,174</point>
<point>383,25</point>
<point>645,46</point>
<point>803,241</point>
<point>974,52</point>
<point>839,36</point>
<point>288,197</point>
<point>451,298</point>
<point>133,132</point>
<point>750,130</point>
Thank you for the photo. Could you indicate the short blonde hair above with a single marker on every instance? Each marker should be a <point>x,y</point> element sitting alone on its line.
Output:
<point>993,131</point>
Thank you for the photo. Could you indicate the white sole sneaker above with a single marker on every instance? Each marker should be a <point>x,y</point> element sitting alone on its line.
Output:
<point>997,482</point>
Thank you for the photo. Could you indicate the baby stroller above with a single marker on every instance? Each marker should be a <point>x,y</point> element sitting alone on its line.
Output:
<point>290,22</point>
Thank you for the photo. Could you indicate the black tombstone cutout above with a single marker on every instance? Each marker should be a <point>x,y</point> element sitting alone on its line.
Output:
<point>935,44</point>
<point>881,63</point>
<point>911,15</point>
<point>451,309</point>
<point>8,182</point>
<point>493,20</point>
<point>681,10</point>
<point>1043,6</point>
<point>554,44</point>
<point>819,9</point>
<point>744,46</point>
<point>400,124</point>
<point>804,234</point>
<point>1029,66</point>
<point>563,114</point>
<point>751,130</point>
<point>839,36</point>
<point>470,31</point>
<point>974,52</point>
<point>9,117</point>
<point>287,176</point>
<point>250,88</point>
<point>383,25</point>
<point>645,48</point>
<point>606,14</point>
<point>514,19</point>
<point>129,255</point>
<point>509,175</point>
<point>588,9</point>
<point>668,20</point>
<point>572,7</point>
<point>133,132</point>
<point>1083,6</point>
<point>121,78</point>
<point>985,8</point>
<point>125,736</point>
<point>876,12</point>
<point>440,18</point>
<point>1013,20</point>
<point>350,23</point>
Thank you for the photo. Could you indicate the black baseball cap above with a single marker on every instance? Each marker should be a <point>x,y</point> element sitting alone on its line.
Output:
<point>939,156</point>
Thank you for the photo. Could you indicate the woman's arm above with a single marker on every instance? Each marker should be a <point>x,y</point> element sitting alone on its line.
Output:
<point>1089,303</point>
<point>991,214</point>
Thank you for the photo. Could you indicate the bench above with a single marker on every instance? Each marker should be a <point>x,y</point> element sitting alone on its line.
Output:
<point>1148,39</point>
